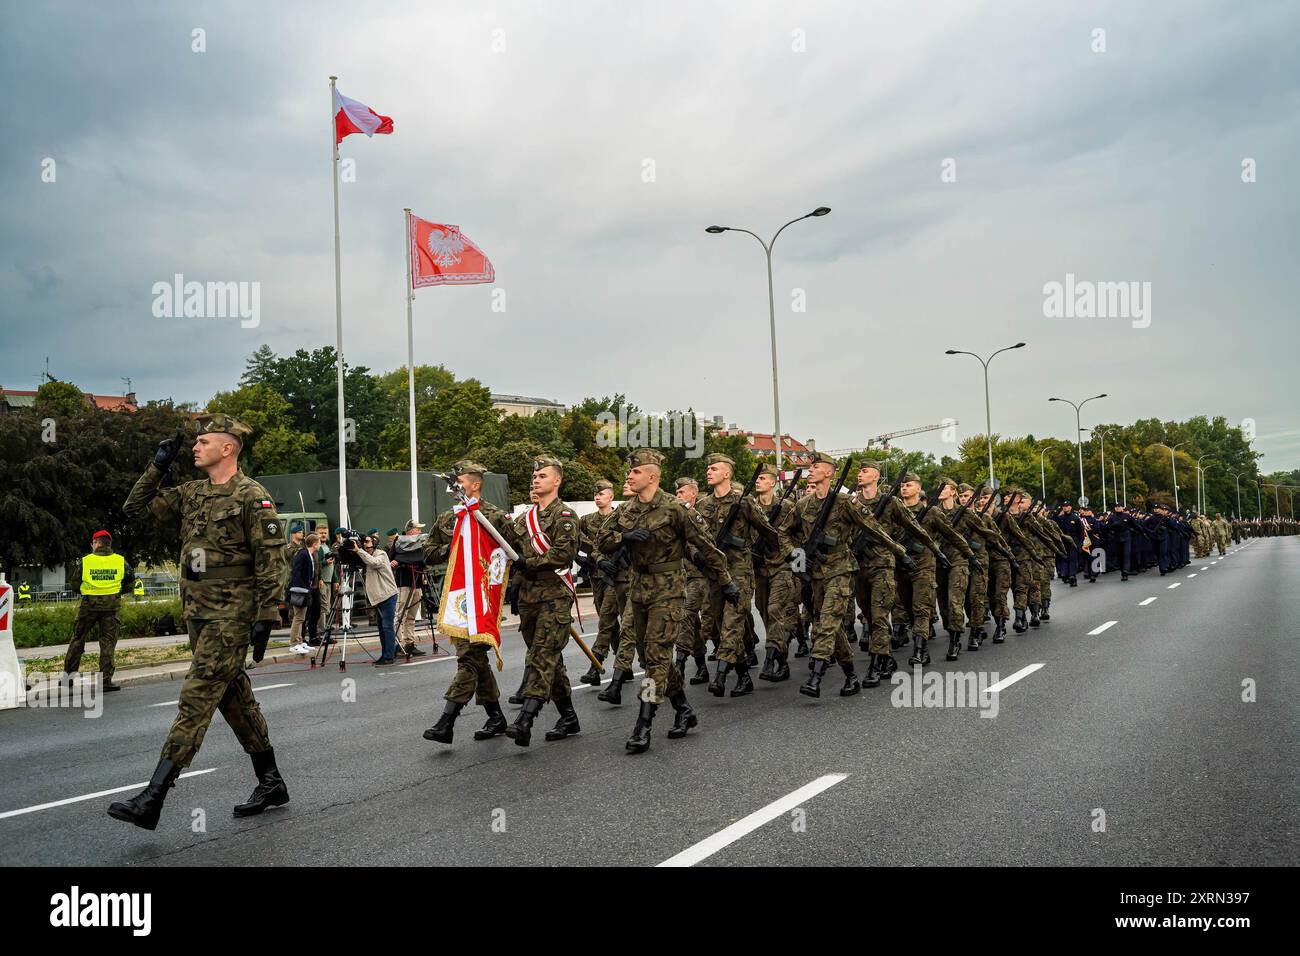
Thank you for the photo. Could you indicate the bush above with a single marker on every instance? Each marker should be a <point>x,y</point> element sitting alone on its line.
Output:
<point>46,625</point>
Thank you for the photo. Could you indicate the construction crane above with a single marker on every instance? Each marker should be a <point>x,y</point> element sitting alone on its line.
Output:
<point>883,440</point>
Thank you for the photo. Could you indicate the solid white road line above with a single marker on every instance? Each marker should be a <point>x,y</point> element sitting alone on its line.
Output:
<point>432,660</point>
<point>723,838</point>
<point>1008,681</point>
<point>1146,602</point>
<point>92,796</point>
<point>1176,584</point>
<point>256,690</point>
<point>1105,627</point>
<point>604,682</point>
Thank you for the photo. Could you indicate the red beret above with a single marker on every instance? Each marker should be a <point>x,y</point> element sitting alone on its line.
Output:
<point>101,534</point>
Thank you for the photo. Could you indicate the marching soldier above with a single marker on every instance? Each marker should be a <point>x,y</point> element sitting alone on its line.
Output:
<point>102,577</point>
<point>874,581</point>
<point>774,591</point>
<point>606,594</point>
<point>993,576</point>
<point>916,589</point>
<point>832,570</point>
<point>727,619</point>
<point>1052,548</point>
<point>658,530</point>
<point>1024,586</point>
<point>953,574</point>
<point>232,544</point>
<point>627,648</point>
<point>690,638</point>
<point>546,537</point>
<point>474,677</point>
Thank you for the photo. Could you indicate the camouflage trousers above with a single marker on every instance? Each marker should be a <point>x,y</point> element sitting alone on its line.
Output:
<point>216,681</point>
<point>609,603</point>
<point>545,629</point>
<point>689,636</point>
<point>88,618</point>
<point>999,582</point>
<point>726,621</point>
<point>1042,580</point>
<point>874,585</point>
<point>654,626</point>
<point>1024,586</point>
<point>627,647</point>
<point>831,598</point>
<point>777,607</point>
<point>474,677</point>
<point>914,595</point>
<point>952,584</point>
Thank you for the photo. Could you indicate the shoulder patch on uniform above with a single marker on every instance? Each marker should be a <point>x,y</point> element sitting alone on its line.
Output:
<point>566,514</point>
<point>266,503</point>
<point>272,528</point>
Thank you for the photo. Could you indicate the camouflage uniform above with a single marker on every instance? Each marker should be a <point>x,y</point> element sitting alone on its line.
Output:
<point>774,586</point>
<point>1024,586</point>
<point>900,523</point>
<point>874,584</point>
<point>232,545</point>
<point>606,597</point>
<point>951,581</point>
<point>95,610</point>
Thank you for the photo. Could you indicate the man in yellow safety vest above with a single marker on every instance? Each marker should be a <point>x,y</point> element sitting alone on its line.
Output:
<point>102,577</point>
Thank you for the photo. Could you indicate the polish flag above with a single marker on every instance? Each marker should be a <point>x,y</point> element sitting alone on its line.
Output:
<point>441,255</point>
<point>353,117</point>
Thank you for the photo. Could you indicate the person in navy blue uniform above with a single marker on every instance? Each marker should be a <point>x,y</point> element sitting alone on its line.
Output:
<point>1067,568</point>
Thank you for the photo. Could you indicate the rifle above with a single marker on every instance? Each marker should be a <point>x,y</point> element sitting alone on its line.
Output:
<point>865,537</point>
<point>816,538</point>
<point>883,503</point>
<point>929,502</point>
<point>962,510</point>
<point>775,511</point>
<point>724,538</point>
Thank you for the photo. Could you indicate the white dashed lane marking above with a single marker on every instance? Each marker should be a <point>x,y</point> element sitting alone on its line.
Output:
<point>1105,627</point>
<point>1146,602</point>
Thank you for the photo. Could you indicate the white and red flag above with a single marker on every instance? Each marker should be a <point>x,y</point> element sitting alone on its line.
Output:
<point>474,590</point>
<point>353,117</point>
<point>442,255</point>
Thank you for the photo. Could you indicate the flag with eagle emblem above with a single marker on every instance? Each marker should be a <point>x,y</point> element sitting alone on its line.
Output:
<point>442,255</point>
<point>473,594</point>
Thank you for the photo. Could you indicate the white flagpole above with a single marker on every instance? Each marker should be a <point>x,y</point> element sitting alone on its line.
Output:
<point>410,368</point>
<point>338,313</point>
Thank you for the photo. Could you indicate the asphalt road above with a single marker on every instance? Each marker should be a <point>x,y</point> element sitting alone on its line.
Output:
<point>1131,746</point>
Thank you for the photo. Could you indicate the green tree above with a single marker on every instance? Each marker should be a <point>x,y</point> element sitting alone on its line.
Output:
<point>276,447</point>
<point>458,418</point>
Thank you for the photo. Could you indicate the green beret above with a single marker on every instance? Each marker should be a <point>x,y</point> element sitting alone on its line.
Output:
<point>644,456</point>
<point>296,526</point>
<point>719,459</point>
<point>685,480</point>
<point>390,532</point>
<point>337,532</point>
<point>603,485</point>
<point>467,467</point>
<point>769,469</point>
<point>822,456</point>
<point>223,424</point>
<point>546,461</point>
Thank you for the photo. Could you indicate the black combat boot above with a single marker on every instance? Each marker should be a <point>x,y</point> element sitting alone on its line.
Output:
<point>613,694</point>
<point>920,650</point>
<point>639,742</point>
<point>1042,614</point>
<point>680,660</point>
<point>887,666</point>
<point>685,718</point>
<point>1000,631</point>
<point>442,730</point>
<point>496,722</point>
<point>801,643</point>
<point>1074,581</point>
<point>592,676</point>
<point>976,635</point>
<point>751,658</point>
<point>1019,626</point>
<point>521,731</point>
<point>851,683</point>
<point>701,675</point>
<point>780,669</point>
<point>518,696</point>
<point>270,790</point>
<point>812,687</point>
<point>718,686</point>
<point>1034,620</point>
<point>744,683</point>
<point>899,637</point>
<point>769,664</point>
<point>567,725</point>
<point>873,672</point>
<point>954,645</point>
<point>144,808</point>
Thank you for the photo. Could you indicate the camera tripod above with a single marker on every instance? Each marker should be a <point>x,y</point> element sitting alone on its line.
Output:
<point>341,615</point>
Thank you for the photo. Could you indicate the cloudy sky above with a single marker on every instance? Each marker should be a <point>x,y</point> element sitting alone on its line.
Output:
<point>586,145</point>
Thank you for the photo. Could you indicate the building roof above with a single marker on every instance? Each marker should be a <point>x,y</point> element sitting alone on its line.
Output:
<point>501,399</point>
<point>764,442</point>
<point>20,398</point>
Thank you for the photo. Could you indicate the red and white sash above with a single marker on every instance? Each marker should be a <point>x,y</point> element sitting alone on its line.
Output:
<point>542,544</point>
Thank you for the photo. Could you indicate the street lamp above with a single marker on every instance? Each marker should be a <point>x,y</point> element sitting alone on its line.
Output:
<point>1102,433</point>
<point>1078,438</point>
<point>771,309</point>
<point>1042,473</point>
<point>988,418</point>
<point>1173,464</point>
<point>1200,503</point>
<point>1236,476</point>
<point>1259,502</point>
<point>1277,499</point>
<point>1123,467</point>
<point>1204,496</point>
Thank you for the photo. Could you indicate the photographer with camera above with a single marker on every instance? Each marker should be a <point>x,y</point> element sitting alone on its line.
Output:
<point>408,572</point>
<point>381,593</point>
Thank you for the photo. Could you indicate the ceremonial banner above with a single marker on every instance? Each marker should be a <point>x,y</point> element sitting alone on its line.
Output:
<point>442,255</point>
<point>473,592</point>
<point>353,117</point>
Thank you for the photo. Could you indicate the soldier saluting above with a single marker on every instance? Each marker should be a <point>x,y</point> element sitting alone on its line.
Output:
<point>232,546</point>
